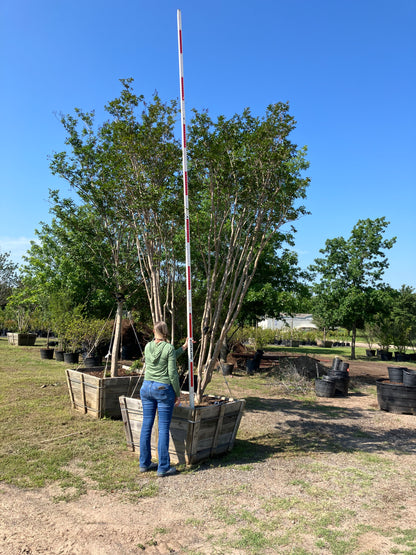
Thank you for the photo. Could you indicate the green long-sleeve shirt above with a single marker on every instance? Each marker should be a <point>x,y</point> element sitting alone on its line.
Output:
<point>160,359</point>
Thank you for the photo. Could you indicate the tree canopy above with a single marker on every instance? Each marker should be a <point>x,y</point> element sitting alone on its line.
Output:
<point>124,228</point>
<point>350,273</point>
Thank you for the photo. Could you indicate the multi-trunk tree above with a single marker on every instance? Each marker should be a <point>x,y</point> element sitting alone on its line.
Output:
<point>246,187</point>
<point>246,183</point>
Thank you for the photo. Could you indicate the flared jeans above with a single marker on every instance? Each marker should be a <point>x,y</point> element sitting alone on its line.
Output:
<point>160,397</point>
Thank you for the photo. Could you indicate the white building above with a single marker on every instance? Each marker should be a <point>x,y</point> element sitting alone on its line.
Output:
<point>298,321</point>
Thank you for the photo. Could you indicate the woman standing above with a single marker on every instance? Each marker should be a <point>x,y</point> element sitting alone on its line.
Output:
<point>160,391</point>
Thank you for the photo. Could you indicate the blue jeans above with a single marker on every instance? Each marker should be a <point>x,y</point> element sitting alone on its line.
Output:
<point>161,397</point>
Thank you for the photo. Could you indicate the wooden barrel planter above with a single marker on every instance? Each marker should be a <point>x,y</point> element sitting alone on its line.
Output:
<point>396,397</point>
<point>99,397</point>
<point>195,434</point>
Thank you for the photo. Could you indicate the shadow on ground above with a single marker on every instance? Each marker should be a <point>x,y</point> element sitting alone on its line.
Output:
<point>307,427</point>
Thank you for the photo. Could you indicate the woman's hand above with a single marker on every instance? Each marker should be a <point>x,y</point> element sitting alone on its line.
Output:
<point>177,401</point>
<point>185,345</point>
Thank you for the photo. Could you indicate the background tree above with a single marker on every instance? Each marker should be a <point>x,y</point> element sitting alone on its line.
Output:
<point>278,286</point>
<point>100,239</point>
<point>9,277</point>
<point>395,321</point>
<point>350,273</point>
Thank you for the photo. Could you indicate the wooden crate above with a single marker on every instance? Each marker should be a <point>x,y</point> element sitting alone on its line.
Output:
<point>195,434</point>
<point>26,339</point>
<point>99,397</point>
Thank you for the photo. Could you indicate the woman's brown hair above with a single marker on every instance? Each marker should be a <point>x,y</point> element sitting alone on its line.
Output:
<point>161,328</point>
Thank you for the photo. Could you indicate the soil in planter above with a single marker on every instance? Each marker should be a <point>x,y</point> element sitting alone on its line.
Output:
<point>120,372</point>
<point>206,401</point>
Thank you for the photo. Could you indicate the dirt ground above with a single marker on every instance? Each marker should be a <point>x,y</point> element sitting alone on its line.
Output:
<point>186,511</point>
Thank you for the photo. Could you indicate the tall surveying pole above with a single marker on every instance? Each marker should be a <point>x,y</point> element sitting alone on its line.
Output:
<point>187,226</point>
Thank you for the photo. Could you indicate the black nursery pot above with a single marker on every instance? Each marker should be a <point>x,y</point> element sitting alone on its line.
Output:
<point>71,358</point>
<point>409,377</point>
<point>325,387</point>
<point>395,374</point>
<point>59,356</point>
<point>227,369</point>
<point>46,354</point>
<point>90,362</point>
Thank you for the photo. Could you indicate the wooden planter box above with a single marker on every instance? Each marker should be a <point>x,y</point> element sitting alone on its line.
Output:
<point>26,339</point>
<point>195,434</point>
<point>99,397</point>
<point>325,344</point>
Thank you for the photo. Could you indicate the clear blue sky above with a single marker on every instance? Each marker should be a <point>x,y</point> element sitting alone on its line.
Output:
<point>346,67</point>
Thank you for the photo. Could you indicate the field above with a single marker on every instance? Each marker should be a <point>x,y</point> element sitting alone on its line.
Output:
<point>307,475</point>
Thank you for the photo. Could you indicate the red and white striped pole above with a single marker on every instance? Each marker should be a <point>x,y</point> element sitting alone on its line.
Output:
<point>187,225</point>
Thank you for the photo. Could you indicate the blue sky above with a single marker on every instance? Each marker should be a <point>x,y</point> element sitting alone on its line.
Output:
<point>347,68</point>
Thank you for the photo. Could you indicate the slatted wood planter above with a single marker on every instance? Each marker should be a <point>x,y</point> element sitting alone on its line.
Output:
<point>195,434</point>
<point>99,397</point>
<point>26,339</point>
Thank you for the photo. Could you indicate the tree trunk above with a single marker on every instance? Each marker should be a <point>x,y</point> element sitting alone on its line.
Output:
<point>353,336</point>
<point>117,338</point>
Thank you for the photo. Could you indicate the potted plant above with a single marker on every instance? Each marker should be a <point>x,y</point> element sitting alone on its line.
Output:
<point>20,334</point>
<point>97,334</point>
<point>73,335</point>
<point>41,321</point>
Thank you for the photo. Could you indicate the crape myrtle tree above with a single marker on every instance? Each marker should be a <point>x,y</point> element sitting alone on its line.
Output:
<point>151,201</point>
<point>245,185</point>
<point>350,274</point>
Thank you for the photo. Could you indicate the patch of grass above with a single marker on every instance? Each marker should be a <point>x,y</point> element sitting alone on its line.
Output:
<point>252,541</point>
<point>373,459</point>
<point>406,537</point>
<point>224,514</point>
<point>281,504</point>
<point>195,522</point>
<point>45,442</point>
<point>335,541</point>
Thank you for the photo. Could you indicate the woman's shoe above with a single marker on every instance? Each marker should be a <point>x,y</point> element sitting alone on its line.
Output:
<point>170,472</point>
<point>152,466</point>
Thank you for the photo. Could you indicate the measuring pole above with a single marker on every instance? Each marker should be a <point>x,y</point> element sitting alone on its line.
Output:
<point>187,226</point>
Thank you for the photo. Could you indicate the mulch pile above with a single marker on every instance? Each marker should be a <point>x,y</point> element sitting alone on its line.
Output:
<point>306,367</point>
